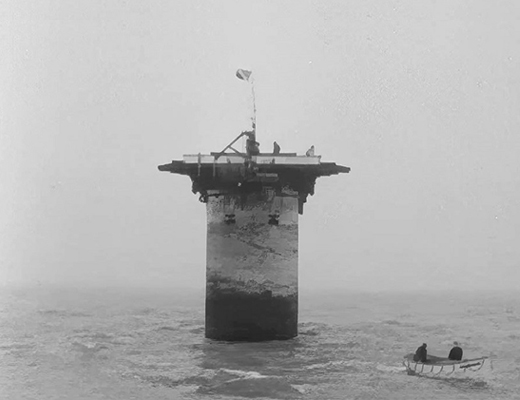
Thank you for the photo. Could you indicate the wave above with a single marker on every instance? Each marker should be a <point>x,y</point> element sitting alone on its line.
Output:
<point>245,374</point>
<point>168,328</point>
<point>91,350</point>
<point>349,366</point>
<point>17,346</point>
<point>390,368</point>
<point>250,384</point>
<point>88,338</point>
<point>63,313</point>
<point>234,382</point>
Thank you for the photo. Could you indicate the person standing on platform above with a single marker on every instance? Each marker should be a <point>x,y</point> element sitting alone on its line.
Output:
<point>310,152</point>
<point>276,149</point>
<point>252,146</point>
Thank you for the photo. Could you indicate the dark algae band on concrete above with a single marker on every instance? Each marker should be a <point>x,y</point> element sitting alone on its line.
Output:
<point>252,267</point>
<point>238,316</point>
<point>253,203</point>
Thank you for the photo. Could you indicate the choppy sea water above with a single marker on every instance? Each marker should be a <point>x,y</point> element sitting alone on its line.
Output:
<point>64,343</point>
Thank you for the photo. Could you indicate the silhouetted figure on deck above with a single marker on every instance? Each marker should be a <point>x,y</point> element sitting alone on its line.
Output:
<point>455,352</point>
<point>252,146</point>
<point>276,148</point>
<point>421,354</point>
<point>310,152</point>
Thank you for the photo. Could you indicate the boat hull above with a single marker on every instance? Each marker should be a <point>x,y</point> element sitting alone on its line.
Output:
<point>440,366</point>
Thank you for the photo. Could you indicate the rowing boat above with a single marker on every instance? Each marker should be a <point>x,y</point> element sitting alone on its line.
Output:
<point>442,366</point>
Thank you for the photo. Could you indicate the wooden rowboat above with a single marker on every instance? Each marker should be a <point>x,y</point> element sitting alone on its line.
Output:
<point>442,366</point>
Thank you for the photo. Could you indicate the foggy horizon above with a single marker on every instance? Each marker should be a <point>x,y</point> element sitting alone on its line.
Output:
<point>421,101</point>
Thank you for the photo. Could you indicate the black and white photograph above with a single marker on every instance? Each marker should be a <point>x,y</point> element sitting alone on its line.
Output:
<point>259,199</point>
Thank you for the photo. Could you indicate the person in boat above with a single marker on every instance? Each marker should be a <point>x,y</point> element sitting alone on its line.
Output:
<point>455,352</point>
<point>421,354</point>
<point>310,152</point>
<point>276,148</point>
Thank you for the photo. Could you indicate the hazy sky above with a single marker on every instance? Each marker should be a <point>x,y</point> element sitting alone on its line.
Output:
<point>420,98</point>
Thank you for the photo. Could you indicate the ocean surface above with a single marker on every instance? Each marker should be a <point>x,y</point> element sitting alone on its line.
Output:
<point>69,343</point>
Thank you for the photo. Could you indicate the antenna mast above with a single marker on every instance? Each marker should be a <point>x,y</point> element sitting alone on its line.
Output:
<point>253,119</point>
<point>251,143</point>
<point>246,76</point>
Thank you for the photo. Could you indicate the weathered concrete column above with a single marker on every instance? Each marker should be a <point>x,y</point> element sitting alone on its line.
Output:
<point>252,205</point>
<point>252,267</point>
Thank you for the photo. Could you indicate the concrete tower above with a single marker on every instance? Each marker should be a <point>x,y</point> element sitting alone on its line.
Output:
<point>252,203</point>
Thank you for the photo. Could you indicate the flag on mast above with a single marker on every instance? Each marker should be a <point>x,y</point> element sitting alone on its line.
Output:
<point>243,74</point>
